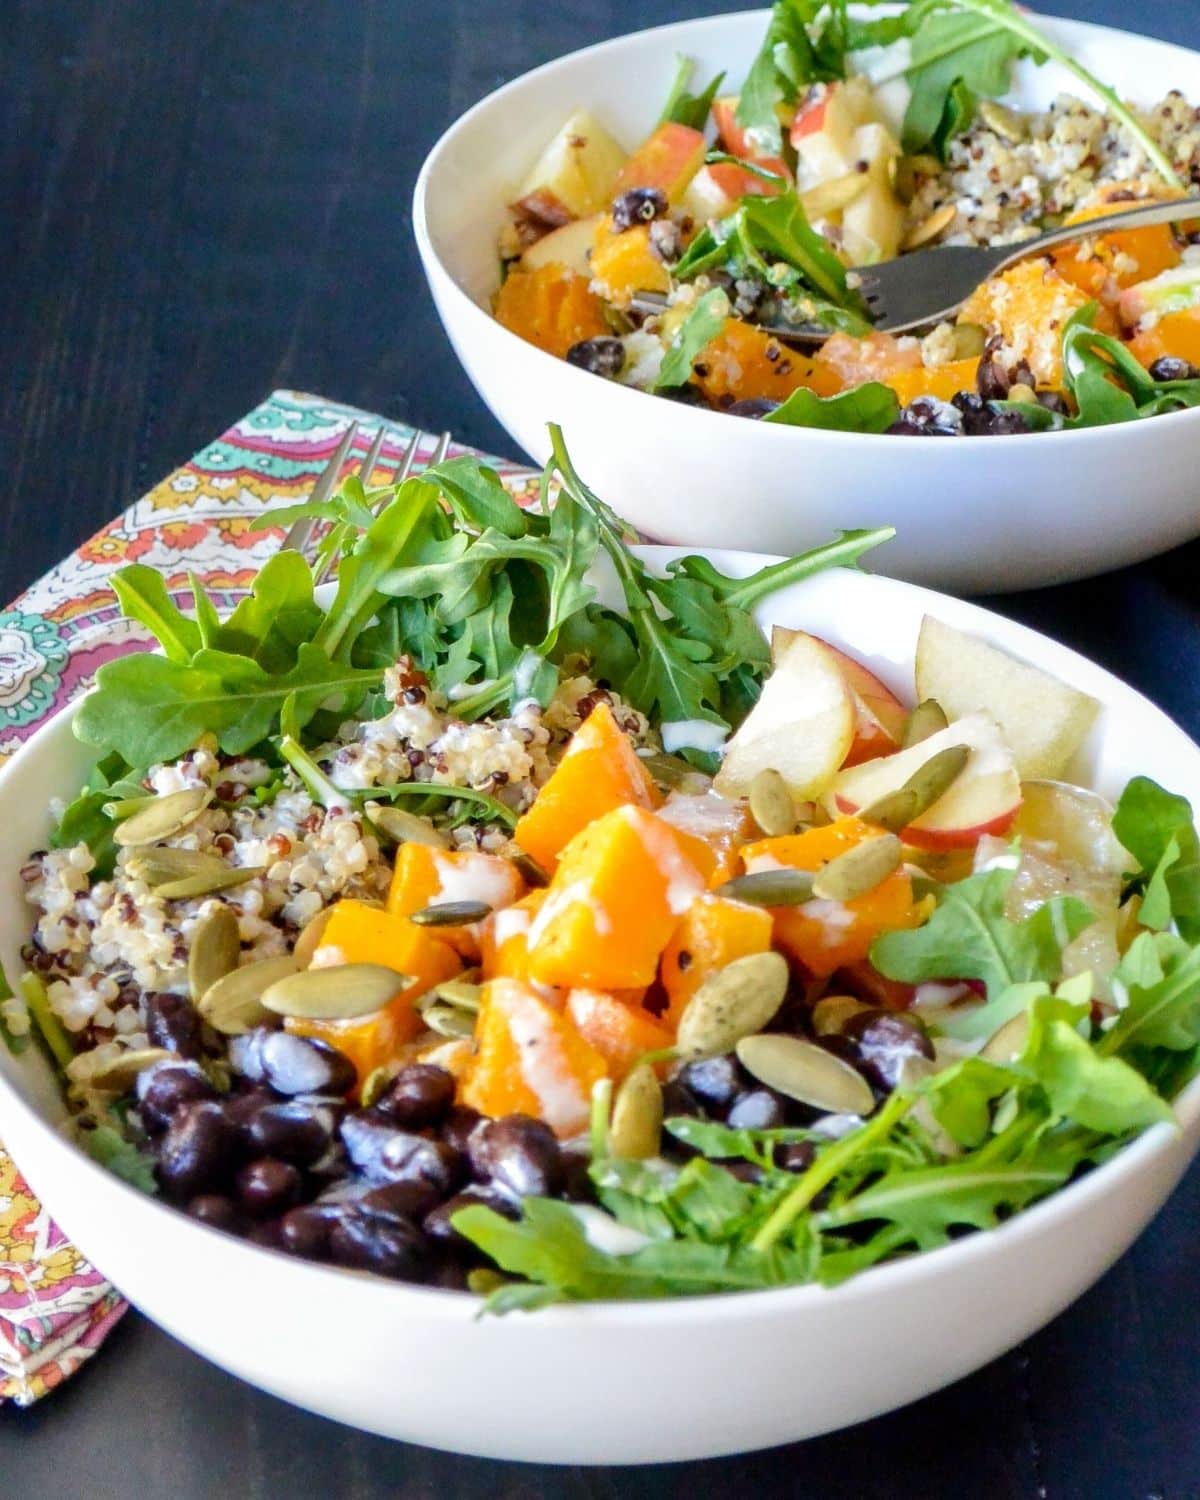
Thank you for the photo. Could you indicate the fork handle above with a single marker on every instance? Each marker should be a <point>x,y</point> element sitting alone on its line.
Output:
<point>1141,217</point>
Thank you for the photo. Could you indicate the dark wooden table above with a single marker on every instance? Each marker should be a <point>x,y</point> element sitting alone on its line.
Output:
<point>205,199</point>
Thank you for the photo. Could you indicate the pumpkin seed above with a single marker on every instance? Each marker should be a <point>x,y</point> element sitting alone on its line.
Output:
<point>216,947</point>
<point>906,172</point>
<point>1001,120</point>
<point>163,817</point>
<point>234,1005</point>
<point>451,913</point>
<point>969,339</point>
<point>636,1130</point>
<point>804,1071</point>
<point>732,1003</point>
<point>771,888</point>
<point>927,784</point>
<point>673,772</point>
<point>341,993</point>
<point>126,805</point>
<point>308,940</point>
<point>832,196</point>
<point>375,1085</point>
<point>931,228</point>
<point>120,1073</point>
<point>449,1020</point>
<point>929,717</point>
<point>771,804</point>
<point>1006,1044</point>
<point>404,827</point>
<point>207,883</point>
<point>156,866</point>
<point>859,870</point>
<point>531,872</point>
<point>457,992</point>
<point>831,1012</point>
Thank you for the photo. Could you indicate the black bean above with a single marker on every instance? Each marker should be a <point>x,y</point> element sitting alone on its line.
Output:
<point>165,1088</point>
<point>387,1246</point>
<point>744,1171</point>
<point>795,1156</point>
<point>1054,401</point>
<point>714,1081</point>
<point>758,1109</point>
<point>884,1040</point>
<point>1171,367</point>
<point>172,1022</point>
<point>460,1124</point>
<point>518,1155</point>
<point>303,1065</point>
<point>926,417</point>
<point>305,1231</point>
<point>245,1053</point>
<point>992,380</point>
<point>679,1100</point>
<point>385,1154</point>
<point>244,1106</point>
<point>601,356</point>
<point>755,407</point>
<point>268,1234</point>
<point>419,1096</point>
<point>981,419</point>
<point>294,1131</point>
<point>686,394</point>
<point>215,1209</point>
<point>197,1151</point>
<point>268,1186</point>
<point>441,1231</point>
<point>450,1275</point>
<point>577,1182</point>
<point>638,205</point>
<point>410,1200</point>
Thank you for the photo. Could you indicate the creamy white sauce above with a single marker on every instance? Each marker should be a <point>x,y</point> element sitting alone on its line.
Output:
<point>937,994</point>
<point>684,881</point>
<point>511,922</point>
<point>834,1127</point>
<point>560,1100</point>
<point>557,902</point>
<point>833,918</point>
<point>469,689</point>
<point>693,734</point>
<point>328,956</point>
<point>603,1232</point>
<point>473,877</point>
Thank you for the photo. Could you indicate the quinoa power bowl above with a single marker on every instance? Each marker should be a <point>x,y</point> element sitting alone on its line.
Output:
<point>679,266</point>
<point>475,933</point>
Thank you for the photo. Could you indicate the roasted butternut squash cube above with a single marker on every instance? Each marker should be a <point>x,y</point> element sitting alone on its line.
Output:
<point>942,381</point>
<point>552,307</point>
<point>621,886</point>
<point>1176,333</point>
<point>714,931</point>
<point>1027,305</point>
<point>424,877</point>
<point>743,362</point>
<point>624,264</point>
<point>720,822</point>
<point>621,1031</point>
<point>529,1059</point>
<point>504,938</point>
<point>599,771</point>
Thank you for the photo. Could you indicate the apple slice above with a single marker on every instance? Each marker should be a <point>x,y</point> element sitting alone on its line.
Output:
<point>579,166</point>
<point>1043,720</point>
<point>879,715</point>
<point>801,726</point>
<point>668,160</point>
<point>569,246</point>
<point>984,798</point>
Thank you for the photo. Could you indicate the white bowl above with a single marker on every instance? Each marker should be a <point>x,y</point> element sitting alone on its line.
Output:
<point>973,515</point>
<point>617,1382</point>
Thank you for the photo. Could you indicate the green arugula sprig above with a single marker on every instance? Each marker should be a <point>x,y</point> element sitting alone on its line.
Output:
<point>1107,383</point>
<point>682,108</point>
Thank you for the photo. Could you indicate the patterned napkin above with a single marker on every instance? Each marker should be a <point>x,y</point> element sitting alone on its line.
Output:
<point>55,1308</point>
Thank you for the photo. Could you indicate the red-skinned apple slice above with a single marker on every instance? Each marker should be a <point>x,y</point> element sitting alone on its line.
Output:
<point>879,716</point>
<point>984,798</point>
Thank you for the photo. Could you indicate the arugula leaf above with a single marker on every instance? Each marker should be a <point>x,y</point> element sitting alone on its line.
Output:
<point>1160,975</point>
<point>275,618</point>
<point>779,228</point>
<point>785,62</point>
<point>683,108</point>
<point>477,497</point>
<point>106,1145</point>
<point>1158,829</point>
<point>870,407</point>
<point>142,594</point>
<point>969,936</point>
<point>695,333</point>
<point>956,57</point>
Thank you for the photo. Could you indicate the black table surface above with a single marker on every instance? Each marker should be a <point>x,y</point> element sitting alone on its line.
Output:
<point>207,199</point>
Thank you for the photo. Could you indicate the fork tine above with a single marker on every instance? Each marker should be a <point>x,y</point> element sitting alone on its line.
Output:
<point>299,534</point>
<point>371,462</point>
<point>439,453</point>
<point>410,457</point>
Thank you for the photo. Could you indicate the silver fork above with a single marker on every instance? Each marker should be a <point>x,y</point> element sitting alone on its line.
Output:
<point>926,286</point>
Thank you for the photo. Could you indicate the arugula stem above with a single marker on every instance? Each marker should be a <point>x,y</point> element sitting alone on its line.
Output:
<point>316,783</point>
<point>845,552</point>
<point>33,992</point>
<point>496,811</point>
<point>826,1167</point>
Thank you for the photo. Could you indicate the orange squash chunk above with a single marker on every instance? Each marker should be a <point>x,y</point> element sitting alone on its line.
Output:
<point>504,938</point>
<point>424,876</point>
<point>825,935</point>
<point>599,771</point>
<point>714,931</point>
<point>878,356</point>
<point>550,307</point>
<point>620,1032</point>
<point>1028,305</point>
<point>358,933</point>
<point>529,1059</point>
<point>623,263</point>
<point>944,381</point>
<point>620,889</point>
<point>668,160</point>
<point>744,362</point>
<point>722,824</point>
<point>1104,265</point>
<point>1176,333</point>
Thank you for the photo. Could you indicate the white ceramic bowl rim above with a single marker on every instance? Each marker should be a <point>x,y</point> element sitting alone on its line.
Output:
<point>781,433</point>
<point>1028,1222</point>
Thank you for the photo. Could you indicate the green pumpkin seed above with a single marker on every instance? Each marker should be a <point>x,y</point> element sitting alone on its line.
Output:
<point>308,940</point>
<point>734,1002</point>
<point>771,804</point>
<point>771,888</point>
<point>120,1073</point>
<point>927,785</point>
<point>165,816</point>
<point>216,947</point>
<point>831,1012</point>
<point>859,870</point>
<point>1001,120</point>
<point>404,827</point>
<point>674,773</point>
<point>969,340</point>
<point>636,1130</point>
<point>449,1021</point>
<point>451,913</point>
<point>341,992</point>
<point>234,1005</point>
<point>375,1085</point>
<point>531,872</point>
<point>208,883</point>
<point>929,717</point>
<point>802,1070</point>
<point>158,865</point>
<point>457,992</point>
<point>1007,1044</point>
